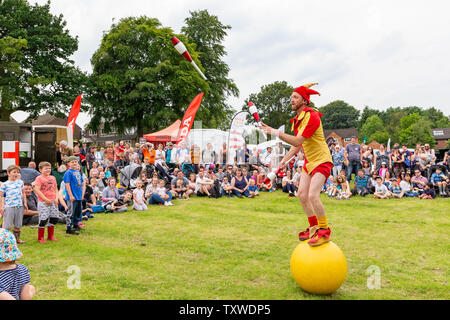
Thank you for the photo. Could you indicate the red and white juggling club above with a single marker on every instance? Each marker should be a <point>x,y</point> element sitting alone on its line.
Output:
<point>181,48</point>
<point>254,111</point>
<point>272,175</point>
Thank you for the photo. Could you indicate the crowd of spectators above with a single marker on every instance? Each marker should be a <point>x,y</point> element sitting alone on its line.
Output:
<point>387,173</point>
<point>168,173</point>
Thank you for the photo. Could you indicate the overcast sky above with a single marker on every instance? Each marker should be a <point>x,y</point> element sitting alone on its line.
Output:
<point>375,53</point>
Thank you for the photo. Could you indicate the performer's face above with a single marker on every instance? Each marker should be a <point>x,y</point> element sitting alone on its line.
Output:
<point>297,101</point>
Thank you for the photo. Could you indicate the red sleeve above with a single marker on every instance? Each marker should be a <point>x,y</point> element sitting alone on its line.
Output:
<point>313,124</point>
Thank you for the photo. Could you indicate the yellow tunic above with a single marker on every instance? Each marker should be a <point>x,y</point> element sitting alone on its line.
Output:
<point>315,148</point>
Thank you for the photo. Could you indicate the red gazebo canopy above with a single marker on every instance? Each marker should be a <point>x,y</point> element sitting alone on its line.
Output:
<point>165,135</point>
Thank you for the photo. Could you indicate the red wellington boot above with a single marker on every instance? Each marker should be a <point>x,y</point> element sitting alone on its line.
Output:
<point>50,231</point>
<point>41,232</point>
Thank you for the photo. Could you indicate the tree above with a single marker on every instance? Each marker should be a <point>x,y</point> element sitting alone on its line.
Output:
<point>207,33</point>
<point>139,80</point>
<point>418,132</point>
<point>274,104</point>
<point>372,125</point>
<point>408,121</point>
<point>366,113</point>
<point>380,137</point>
<point>339,115</point>
<point>36,72</point>
<point>436,117</point>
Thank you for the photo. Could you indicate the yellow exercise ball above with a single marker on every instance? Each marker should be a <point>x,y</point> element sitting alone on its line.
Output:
<point>318,270</point>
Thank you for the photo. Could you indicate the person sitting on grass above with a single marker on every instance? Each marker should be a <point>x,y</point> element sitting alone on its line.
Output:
<point>252,189</point>
<point>297,177</point>
<point>397,191</point>
<point>180,190</point>
<point>387,180</point>
<point>226,189</point>
<point>440,180</point>
<point>203,184</point>
<point>164,193</point>
<point>418,181</point>
<point>254,177</point>
<point>138,197</point>
<point>330,187</point>
<point>30,215</point>
<point>239,183</point>
<point>14,278</point>
<point>184,190</point>
<point>428,192</point>
<point>381,191</point>
<point>111,198</point>
<point>192,185</point>
<point>361,183</point>
<point>407,187</point>
<point>343,188</point>
<point>287,184</point>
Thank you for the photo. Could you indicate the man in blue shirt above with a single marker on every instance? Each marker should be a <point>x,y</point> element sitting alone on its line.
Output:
<point>28,175</point>
<point>338,160</point>
<point>75,187</point>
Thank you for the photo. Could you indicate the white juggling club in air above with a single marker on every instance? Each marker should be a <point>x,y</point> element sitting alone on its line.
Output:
<point>181,48</point>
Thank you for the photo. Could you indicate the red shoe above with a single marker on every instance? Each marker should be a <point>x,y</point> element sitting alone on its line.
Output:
<point>320,237</point>
<point>305,235</point>
<point>81,225</point>
<point>41,232</point>
<point>50,232</point>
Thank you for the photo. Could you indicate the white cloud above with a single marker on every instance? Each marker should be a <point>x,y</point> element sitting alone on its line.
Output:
<point>380,54</point>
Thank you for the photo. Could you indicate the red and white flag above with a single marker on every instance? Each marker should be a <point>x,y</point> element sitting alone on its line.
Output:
<point>188,119</point>
<point>74,113</point>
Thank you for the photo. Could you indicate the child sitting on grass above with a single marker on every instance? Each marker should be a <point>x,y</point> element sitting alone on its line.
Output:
<point>343,188</point>
<point>226,188</point>
<point>164,194</point>
<point>138,197</point>
<point>428,192</point>
<point>361,183</point>
<point>330,187</point>
<point>252,189</point>
<point>179,189</point>
<point>397,191</point>
<point>381,191</point>
<point>14,278</point>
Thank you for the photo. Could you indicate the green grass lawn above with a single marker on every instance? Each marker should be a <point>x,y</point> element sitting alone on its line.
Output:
<point>240,249</point>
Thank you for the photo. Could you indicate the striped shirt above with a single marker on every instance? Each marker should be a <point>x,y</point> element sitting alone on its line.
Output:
<point>12,281</point>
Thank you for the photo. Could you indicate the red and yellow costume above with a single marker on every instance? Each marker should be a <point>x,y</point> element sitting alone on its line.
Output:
<point>308,124</point>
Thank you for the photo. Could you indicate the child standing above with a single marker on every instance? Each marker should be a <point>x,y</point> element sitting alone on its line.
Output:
<point>75,188</point>
<point>14,278</point>
<point>138,197</point>
<point>12,201</point>
<point>47,192</point>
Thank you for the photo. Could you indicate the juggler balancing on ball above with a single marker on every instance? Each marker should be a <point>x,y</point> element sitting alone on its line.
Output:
<point>309,137</point>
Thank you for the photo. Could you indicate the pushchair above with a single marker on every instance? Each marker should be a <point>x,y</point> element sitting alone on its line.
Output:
<point>129,175</point>
<point>164,173</point>
<point>187,169</point>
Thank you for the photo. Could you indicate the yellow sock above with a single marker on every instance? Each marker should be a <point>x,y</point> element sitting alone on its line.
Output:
<point>322,222</point>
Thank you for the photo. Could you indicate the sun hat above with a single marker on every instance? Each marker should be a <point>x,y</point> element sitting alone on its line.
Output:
<point>8,246</point>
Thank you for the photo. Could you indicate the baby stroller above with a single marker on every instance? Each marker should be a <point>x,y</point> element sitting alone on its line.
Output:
<point>187,169</point>
<point>129,175</point>
<point>164,173</point>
